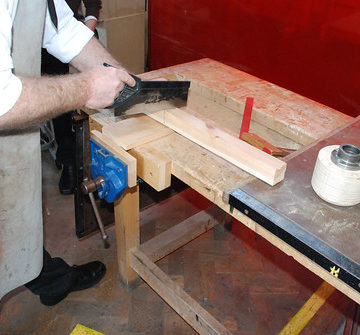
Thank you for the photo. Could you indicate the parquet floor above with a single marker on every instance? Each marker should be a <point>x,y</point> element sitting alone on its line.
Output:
<point>240,278</point>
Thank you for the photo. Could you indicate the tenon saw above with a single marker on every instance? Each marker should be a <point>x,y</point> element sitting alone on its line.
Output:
<point>159,94</point>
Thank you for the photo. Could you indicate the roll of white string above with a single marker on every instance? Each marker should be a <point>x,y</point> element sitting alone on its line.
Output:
<point>334,184</point>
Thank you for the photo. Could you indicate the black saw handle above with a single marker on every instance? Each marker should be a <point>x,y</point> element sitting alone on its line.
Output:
<point>127,92</point>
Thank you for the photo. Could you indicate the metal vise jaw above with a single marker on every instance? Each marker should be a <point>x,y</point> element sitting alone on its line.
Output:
<point>110,172</point>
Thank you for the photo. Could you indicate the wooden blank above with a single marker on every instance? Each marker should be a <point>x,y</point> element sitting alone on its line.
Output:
<point>153,167</point>
<point>252,160</point>
<point>135,130</point>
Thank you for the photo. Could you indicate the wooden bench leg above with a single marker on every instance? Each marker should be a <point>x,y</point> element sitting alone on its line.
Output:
<point>127,225</point>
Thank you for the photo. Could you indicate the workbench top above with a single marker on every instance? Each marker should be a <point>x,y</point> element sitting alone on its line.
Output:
<point>218,93</point>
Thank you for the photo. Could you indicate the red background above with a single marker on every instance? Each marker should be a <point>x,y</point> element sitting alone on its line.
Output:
<point>311,47</point>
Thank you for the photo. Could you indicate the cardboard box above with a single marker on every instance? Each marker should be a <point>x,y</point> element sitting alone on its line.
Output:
<point>125,39</point>
<point>116,8</point>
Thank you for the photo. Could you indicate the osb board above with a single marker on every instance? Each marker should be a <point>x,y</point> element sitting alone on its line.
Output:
<point>296,117</point>
<point>135,130</point>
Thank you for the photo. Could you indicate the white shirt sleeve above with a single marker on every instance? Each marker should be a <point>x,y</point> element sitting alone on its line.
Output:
<point>64,43</point>
<point>10,85</point>
<point>71,36</point>
<point>10,90</point>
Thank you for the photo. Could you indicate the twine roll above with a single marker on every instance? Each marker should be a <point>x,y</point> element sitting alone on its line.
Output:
<point>333,183</point>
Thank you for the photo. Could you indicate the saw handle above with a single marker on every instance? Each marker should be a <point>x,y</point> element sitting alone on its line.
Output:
<point>127,92</point>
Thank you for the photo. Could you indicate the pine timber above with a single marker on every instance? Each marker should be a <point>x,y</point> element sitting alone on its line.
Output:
<point>175,296</point>
<point>120,153</point>
<point>152,167</point>
<point>163,244</point>
<point>252,160</point>
<point>135,131</point>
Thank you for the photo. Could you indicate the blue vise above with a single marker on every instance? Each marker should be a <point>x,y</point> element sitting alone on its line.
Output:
<point>114,172</point>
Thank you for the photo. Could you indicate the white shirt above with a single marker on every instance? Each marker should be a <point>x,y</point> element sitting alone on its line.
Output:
<point>64,44</point>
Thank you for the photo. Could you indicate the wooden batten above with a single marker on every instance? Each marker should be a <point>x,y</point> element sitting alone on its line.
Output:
<point>195,315</point>
<point>252,160</point>
<point>177,236</point>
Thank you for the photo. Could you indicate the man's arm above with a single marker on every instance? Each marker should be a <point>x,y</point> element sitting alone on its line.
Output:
<point>43,98</point>
<point>94,54</point>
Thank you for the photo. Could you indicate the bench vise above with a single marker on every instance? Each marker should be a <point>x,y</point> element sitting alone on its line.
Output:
<point>110,179</point>
<point>110,174</point>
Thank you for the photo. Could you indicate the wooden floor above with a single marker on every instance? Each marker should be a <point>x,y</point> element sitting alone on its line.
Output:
<point>247,284</point>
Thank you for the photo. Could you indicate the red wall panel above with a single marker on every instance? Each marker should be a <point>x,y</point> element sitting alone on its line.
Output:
<point>309,47</point>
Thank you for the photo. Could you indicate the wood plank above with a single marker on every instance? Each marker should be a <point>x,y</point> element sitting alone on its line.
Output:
<point>250,159</point>
<point>120,153</point>
<point>153,167</point>
<point>135,130</point>
<point>184,232</point>
<point>175,296</point>
<point>127,227</point>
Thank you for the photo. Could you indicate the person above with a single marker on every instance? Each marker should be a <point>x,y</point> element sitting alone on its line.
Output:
<point>28,101</point>
<point>31,101</point>
<point>63,128</point>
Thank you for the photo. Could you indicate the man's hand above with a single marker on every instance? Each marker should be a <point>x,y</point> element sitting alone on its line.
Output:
<point>105,84</point>
<point>96,86</point>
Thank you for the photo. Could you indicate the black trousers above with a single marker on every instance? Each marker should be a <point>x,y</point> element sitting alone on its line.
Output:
<point>56,277</point>
<point>64,134</point>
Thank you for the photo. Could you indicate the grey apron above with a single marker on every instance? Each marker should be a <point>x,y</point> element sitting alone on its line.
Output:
<point>21,231</point>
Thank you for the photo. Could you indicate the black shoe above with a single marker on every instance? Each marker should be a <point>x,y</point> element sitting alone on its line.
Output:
<point>66,183</point>
<point>88,275</point>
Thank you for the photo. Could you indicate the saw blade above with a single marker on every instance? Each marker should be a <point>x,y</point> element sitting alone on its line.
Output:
<point>155,97</point>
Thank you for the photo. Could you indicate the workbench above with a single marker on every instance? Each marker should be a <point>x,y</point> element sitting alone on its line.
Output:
<point>217,93</point>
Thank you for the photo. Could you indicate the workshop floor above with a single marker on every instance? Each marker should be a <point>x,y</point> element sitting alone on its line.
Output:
<point>247,284</point>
